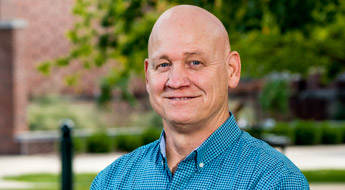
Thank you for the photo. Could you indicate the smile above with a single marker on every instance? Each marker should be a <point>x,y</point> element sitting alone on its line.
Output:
<point>180,98</point>
<point>184,98</point>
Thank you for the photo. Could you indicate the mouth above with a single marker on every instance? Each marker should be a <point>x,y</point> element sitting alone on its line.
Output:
<point>181,98</point>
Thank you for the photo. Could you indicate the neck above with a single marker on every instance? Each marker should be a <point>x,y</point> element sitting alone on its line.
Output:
<point>180,143</point>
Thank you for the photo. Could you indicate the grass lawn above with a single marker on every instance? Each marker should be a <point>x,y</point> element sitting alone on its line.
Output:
<point>83,181</point>
<point>52,181</point>
<point>325,176</point>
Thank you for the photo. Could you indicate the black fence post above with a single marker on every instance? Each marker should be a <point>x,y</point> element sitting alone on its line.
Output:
<point>66,155</point>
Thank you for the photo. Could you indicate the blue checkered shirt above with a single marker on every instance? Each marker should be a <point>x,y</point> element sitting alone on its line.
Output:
<point>228,159</point>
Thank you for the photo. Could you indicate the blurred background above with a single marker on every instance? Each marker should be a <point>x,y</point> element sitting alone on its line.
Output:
<point>83,60</point>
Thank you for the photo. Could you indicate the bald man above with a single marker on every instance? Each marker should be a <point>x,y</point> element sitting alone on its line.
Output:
<point>188,72</point>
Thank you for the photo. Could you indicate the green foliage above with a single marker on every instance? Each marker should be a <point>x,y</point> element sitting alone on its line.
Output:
<point>319,176</point>
<point>343,134</point>
<point>307,133</point>
<point>79,144</point>
<point>271,36</point>
<point>284,129</point>
<point>151,134</point>
<point>128,142</point>
<point>275,96</point>
<point>44,67</point>
<point>330,134</point>
<point>99,142</point>
<point>45,113</point>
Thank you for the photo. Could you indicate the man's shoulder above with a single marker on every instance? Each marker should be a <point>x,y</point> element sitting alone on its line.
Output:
<point>126,164</point>
<point>268,163</point>
<point>268,158</point>
<point>265,153</point>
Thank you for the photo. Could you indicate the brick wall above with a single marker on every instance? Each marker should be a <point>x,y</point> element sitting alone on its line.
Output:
<point>22,49</point>
<point>7,10</point>
<point>45,39</point>
<point>11,118</point>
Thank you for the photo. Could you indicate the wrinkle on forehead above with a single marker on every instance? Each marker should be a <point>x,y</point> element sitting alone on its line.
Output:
<point>188,22</point>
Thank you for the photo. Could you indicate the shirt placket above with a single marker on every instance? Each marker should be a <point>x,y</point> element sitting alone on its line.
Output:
<point>185,170</point>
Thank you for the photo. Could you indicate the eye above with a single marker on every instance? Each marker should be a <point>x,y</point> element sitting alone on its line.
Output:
<point>163,65</point>
<point>195,63</point>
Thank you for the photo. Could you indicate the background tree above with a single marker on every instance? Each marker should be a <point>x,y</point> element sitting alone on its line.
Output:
<point>271,36</point>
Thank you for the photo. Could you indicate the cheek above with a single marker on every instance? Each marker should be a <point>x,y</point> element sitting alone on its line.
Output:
<point>156,84</point>
<point>214,85</point>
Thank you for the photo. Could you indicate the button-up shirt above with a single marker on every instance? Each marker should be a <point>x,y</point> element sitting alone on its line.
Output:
<point>228,159</point>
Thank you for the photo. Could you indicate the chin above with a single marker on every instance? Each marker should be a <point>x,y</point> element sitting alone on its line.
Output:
<point>180,119</point>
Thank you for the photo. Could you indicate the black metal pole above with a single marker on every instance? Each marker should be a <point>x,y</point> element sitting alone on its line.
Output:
<point>66,155</point>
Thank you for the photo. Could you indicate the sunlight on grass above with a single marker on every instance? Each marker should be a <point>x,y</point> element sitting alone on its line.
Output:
<point>52,181</point>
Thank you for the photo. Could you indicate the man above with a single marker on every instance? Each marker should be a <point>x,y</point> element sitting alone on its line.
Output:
<point>188,72</point>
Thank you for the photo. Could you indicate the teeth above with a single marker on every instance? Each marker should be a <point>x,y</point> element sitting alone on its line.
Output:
<point>181,98</point>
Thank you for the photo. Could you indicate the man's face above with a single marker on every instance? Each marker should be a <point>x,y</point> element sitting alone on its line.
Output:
<point>186,76</point>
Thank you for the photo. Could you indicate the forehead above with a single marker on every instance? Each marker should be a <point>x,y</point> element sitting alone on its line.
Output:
<point>177,49</point>
<point>178,43</point>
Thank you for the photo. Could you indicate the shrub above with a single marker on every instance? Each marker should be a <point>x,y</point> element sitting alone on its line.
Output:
<point>99,142</point>
<point>307,133</point>
<point>331,134</point>
<point>128,142</point>
<point>151,134</point>
<point>79,144</point>
<point>284,129</point>
<point>255,131</point>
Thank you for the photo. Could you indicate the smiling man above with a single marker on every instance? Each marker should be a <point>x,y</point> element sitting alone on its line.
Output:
<point>188,72</point>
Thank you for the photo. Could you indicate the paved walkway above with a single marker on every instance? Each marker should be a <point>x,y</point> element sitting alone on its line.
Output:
<point>305,157</point>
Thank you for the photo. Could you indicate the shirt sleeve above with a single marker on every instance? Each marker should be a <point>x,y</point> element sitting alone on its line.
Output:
<point>95,184</point>
<point>295,181</point>
<point>101,180</point>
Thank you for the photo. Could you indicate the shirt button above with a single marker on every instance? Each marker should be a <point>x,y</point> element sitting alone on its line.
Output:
<point>201,165</point>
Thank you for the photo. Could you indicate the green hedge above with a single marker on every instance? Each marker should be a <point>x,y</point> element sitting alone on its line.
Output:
<point>300,132</point>
<point>128,142</point>
<point>331,135</point>
<point>101,142</point>
<point>284,130</point>
<point>306,132</point>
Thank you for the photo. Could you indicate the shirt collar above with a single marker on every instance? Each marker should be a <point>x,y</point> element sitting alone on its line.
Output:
<point>162,144</point>
<point>213,146</point>
<point>219,141</point>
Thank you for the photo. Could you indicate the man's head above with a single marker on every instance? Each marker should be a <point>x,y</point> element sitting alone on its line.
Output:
<point>190,66</point>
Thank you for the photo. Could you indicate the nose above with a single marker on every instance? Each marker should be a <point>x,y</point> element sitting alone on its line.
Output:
<point>178,77</point>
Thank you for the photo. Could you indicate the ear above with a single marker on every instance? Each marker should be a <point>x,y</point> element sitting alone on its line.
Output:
<point>146,65</point>
<point>234,67</point>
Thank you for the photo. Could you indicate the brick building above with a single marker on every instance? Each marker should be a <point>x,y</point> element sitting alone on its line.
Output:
<point>32,31</point>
